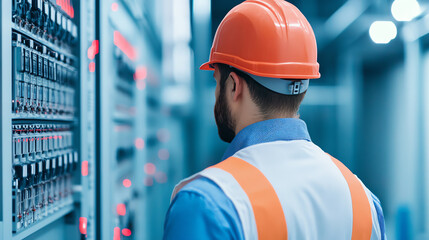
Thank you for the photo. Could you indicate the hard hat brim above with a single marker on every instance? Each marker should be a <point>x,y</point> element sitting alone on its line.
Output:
<point>267,73</point>
<point>207,66</point>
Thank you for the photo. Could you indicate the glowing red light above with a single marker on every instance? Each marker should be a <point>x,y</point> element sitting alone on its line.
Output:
<point>161,177</point>
<point>148,181</point>
<point>116,233</point>
<point>121,209</point>
<point>122,43</point>
<point>93,49</point>
<point>126,232</point>
<point>149,168</point>
<point>72,12</point>
<point>83,223</point>
<point>66,7</point>
<point>141,73</point>
<point>84,169</point>
<point>126,183</point>
<point>139,143</point>
<point>96,46</point>
<point>115,6</point>
<point>92,66</point>
<point>69,8</point>
<point>163,154</point>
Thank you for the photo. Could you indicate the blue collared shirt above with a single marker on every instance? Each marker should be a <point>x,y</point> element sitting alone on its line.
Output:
<point>202,211</point>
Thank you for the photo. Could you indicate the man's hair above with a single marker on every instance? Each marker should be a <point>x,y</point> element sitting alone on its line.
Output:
<point>269,102</point>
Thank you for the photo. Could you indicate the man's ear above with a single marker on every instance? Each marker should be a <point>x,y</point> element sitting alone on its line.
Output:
<point>237,89</point>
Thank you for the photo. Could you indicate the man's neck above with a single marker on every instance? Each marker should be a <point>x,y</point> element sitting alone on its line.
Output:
<point>246,121</point>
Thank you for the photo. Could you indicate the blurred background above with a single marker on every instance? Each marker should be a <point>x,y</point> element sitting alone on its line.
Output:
<point>144,111</point>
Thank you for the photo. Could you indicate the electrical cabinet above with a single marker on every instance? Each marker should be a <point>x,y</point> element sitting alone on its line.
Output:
<point>81,81</point>
<point>40,128</point>
<point>121,117</point>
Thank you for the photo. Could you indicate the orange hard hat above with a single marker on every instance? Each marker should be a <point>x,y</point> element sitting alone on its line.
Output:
<point>268,38</point>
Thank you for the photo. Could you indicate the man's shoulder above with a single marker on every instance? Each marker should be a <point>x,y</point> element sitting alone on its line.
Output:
<point>198,204</point>
<point>203,187</point>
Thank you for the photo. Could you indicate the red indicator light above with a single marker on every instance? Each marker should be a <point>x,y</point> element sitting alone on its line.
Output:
<point>148,181</point>
<point>139,143</point>
<point>116,233</point>
<point>72,12</point>
<point>115,6</point>
<point>83,223</point>
<point>84,169</point>
<point>161,177</point>
<point>121,209</point>
<point>141,73</point>
<point>66,8</point>
<point>163,154</point>
<point>61,137</point>
<point>92,66</point>
<point>93,49</point>
<point>126,232</point>
<point>122,43</point>
<point>126,183</point>
<point>149,168</point>
<point>96,46</point>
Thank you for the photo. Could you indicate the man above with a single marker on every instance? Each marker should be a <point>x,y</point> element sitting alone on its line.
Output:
<point>273,182</point>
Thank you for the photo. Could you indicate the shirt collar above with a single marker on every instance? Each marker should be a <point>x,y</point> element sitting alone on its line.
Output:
<point>279,129</point>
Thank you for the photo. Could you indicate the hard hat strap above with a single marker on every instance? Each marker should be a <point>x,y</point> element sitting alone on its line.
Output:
<point>283,86</point>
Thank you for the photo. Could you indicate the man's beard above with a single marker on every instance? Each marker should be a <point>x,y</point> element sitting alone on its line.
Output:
<point>224,122</point>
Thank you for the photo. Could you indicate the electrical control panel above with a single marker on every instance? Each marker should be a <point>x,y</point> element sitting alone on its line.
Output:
<point>121,140</point>
<point>44,80</point>
<point>44,159</point>
<point>40,111</point>
<point>86,140</point>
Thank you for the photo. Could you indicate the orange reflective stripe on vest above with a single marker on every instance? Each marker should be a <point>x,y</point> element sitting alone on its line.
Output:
<point>362,221</point>
<point>269,217</point>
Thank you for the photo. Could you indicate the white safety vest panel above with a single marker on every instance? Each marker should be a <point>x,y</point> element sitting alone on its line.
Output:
<point>313,193</point>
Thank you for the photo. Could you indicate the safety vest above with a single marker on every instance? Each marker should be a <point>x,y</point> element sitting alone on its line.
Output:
<point>294,190</point>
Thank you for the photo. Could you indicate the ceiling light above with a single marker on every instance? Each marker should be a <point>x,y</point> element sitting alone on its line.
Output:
<point>382,32</point>
<point>405,10</point>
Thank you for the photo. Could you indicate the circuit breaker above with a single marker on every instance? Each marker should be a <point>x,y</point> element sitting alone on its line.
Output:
<point>43,161</point>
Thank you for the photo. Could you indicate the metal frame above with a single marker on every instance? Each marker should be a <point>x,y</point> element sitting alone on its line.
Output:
<point>87,117</point>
